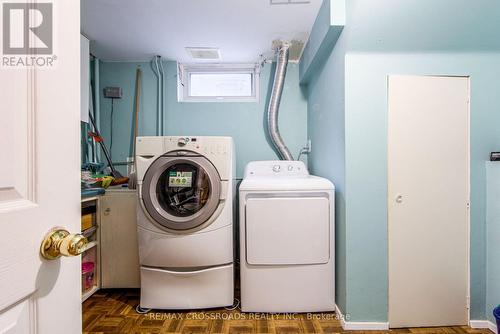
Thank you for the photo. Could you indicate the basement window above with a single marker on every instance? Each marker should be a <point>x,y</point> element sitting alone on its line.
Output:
<point>218,83</point>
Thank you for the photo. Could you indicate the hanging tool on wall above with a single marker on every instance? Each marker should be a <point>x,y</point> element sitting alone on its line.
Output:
<point>96,135</point>
<point>132,183</point>
<point>138,79</point>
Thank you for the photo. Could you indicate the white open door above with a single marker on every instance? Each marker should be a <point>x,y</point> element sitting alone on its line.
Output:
<point>39,170</point>
<point>428,194</point>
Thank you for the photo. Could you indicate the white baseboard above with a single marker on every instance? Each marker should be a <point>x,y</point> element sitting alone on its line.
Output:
<point>483,324</point>
<point>340,316</point>
<point>377,326</point>
<point>360,326</point>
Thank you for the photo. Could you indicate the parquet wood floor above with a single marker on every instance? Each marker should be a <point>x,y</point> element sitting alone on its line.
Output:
<point>113,311</point>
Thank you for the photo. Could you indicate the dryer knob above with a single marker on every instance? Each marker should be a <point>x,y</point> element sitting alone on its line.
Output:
<point>182,142</point>
<point>276,168</point>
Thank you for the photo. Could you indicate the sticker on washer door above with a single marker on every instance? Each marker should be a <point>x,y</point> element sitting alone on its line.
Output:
<point>180,179</point>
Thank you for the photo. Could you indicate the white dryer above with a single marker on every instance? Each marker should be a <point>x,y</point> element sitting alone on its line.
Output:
<point>185,221</point>
<point>286,239</point>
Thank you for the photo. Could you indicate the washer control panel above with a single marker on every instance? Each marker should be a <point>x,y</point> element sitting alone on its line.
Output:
<point>197,144</point>
<point>183,141</point>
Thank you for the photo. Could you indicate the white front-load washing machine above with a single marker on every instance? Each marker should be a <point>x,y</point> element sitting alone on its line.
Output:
<point>286,239</point>
<point>185,221</point>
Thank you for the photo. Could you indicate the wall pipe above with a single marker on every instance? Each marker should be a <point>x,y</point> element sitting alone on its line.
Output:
<point>274,103</point>
<point>156,70</point>
<point>163,85</point>
<point>97,109</point>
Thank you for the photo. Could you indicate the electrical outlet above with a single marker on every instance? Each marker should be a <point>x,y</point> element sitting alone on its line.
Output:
<point>309,146</point>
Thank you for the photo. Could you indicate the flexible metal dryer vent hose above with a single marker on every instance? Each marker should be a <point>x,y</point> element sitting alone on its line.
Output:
<point>274,103</point>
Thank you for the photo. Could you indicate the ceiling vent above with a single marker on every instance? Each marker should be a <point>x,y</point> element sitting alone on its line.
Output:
<point>289,2</point>
<point>204,53</point>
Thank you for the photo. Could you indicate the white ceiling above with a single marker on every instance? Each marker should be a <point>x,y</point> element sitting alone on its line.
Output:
<point>132,30</point>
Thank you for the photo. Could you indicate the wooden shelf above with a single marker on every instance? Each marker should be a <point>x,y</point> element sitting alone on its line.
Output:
<point>93,233</point>
<point>90,230</point>
<point>90,245</point>
<point>89,293</point>
<point>88,199</point>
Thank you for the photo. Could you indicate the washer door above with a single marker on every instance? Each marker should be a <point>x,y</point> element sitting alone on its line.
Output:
<point>181,191</point>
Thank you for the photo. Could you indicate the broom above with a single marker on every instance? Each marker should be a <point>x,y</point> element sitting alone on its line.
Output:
<point>132,183</point>
<point>118,178</point>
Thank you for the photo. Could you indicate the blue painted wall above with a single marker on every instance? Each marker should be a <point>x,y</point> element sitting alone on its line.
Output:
<point>417,26</point>
<point>347,121</point>
<point>493,238</point>
<point>366,124</point>
<point>326,129</point>
<point>243,121</point>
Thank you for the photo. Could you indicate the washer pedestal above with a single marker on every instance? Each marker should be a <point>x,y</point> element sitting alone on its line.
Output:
<point>206,288</point>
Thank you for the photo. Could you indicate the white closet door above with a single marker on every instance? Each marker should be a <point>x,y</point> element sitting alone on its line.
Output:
<point>428,194</point>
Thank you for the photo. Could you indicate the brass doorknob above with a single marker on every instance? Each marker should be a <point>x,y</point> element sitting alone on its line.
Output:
<point>60,242</point>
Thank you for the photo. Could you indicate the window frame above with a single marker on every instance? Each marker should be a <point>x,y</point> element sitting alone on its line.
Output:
<point>184,72</point>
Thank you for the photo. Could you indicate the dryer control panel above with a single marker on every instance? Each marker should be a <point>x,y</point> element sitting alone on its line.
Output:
<point>277,168</point>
